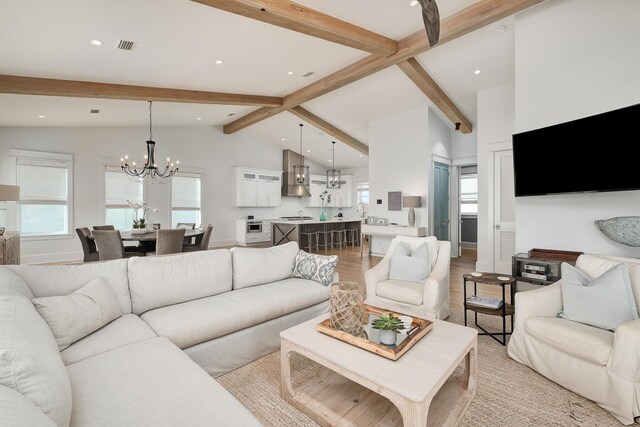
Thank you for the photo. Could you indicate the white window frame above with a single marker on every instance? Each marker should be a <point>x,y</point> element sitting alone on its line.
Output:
<point>14,213</point>
<point>468,201</point>
<point>186,172</point>
<point>360,190</point>
<point>104,163</point>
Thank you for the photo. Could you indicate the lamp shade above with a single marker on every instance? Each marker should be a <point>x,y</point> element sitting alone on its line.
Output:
<point>9,193</point>
<point>412,201</point>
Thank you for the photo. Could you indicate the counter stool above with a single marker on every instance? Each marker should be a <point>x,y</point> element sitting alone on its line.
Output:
<point>310,237</point>
<point>340,237</point>
<point>326,235</point>
<point>353,236</point>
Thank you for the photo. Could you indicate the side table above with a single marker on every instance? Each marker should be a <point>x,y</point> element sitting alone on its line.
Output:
<point>504,311</point>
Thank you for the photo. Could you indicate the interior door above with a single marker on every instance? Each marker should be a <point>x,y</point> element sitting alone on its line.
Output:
<point>441,200</point>
<point>504,211</point>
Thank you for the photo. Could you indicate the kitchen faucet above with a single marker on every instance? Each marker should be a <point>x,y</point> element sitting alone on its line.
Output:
<point>301,215</point>
<point>360,209</point>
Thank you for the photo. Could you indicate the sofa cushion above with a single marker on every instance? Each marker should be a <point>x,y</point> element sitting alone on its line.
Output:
<point>122,331</point>
<point>150,383</point>
<point>205,319</point>
<point>596,265</point>
<point>73,317</point>
<point>582,341</point>
<point>13,285</point>
<point>17,411</point>
<point>257,266</point>
<point>162,281</point>
<point>29,360</point>
<point>405,292</point>
<point>50,281</point>
<point>409,265</point>
<point>320,268</point>
<point>604,302</point>
<point>414,242</point>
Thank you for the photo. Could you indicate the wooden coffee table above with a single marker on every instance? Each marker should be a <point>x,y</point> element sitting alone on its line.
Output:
<point>355,387</point>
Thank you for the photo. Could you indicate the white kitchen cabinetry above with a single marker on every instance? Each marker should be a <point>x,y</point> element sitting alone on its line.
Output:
<point>258,187</point>
<point>340,197</point>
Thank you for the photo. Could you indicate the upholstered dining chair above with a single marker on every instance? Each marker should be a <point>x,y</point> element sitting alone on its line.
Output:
<point>202,241</point>
<point>89,247</point>
<point>104,227</point>
<point>110,245</point>
<point>169,241</point>
<point>139,248</point>
<point>186,225</point>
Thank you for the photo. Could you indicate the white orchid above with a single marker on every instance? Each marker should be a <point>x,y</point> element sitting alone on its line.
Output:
<point>140,221</point>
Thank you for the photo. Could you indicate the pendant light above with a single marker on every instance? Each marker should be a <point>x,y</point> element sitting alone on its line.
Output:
<point>150,171</point>
<point>301,171</point>
<point>334,176</point>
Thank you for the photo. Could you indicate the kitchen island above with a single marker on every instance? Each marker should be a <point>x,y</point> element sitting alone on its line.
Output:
<point>303,230</point>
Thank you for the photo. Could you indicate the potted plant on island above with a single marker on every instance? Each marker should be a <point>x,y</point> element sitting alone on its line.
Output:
<point>389,325</point>
<point>140,221</point>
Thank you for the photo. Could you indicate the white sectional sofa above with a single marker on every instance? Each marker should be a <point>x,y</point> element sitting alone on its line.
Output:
<point>219,309</point>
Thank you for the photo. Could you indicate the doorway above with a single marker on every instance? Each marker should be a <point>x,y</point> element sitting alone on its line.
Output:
<point>468,209</point>
<point>441,201</point>
<point>504,212</point>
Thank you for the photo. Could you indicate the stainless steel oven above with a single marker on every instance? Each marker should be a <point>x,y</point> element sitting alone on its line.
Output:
<point>254,226</point>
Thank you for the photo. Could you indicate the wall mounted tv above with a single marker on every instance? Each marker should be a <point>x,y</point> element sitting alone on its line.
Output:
<point>597,153</point>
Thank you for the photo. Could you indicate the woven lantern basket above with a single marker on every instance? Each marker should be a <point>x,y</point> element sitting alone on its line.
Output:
<point>347,307</point>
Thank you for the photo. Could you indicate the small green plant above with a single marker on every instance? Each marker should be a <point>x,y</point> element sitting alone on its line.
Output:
<point>388,322</point>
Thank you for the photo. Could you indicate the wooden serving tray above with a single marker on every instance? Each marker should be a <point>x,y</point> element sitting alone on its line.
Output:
<point>419,328</point>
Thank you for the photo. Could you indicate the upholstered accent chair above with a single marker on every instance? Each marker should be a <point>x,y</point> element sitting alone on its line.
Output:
<point>428,299</point>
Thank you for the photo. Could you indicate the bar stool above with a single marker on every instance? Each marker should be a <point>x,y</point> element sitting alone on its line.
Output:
<point>310,237</point>
<point>353,236</point>
<point>325,235</point>
<point>340,237</point>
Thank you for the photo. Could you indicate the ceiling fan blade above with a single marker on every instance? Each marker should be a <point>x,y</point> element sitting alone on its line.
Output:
<point>431,18</point>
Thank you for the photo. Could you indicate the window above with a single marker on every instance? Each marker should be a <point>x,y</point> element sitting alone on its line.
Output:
<point>185,198</point>
<point>45,180</point>
<point>469,194</point>
<point>362,189</point>
<point>118,189</point>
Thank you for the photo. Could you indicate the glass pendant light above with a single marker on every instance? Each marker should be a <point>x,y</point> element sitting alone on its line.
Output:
<point>334,176</point>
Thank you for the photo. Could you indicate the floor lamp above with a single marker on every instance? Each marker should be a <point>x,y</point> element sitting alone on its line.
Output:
<point>9,193</point>
<point>412,202</point>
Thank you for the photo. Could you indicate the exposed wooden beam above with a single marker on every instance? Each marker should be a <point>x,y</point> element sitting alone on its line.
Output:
<point>316,121</point>
<point>293,16</point>
<point>412,68</point>
<point>81,89</point>
<point>469,19</point>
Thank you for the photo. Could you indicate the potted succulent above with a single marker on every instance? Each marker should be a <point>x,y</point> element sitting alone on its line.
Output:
<point>389,325</point>
<point>140,221</point>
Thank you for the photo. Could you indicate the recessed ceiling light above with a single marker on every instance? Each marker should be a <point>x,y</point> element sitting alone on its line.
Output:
<point>476,72</point>
<point>414,3</point>
<point>219,62</point>
<point>502,28</point>
<point>283,139</point>
<point>96,42</point>
<point>308,151</point>
<point>329,160</point>
<point>360,155</point>
<point>290,73</point>
<point>198,118</point>
<point>41,116</point>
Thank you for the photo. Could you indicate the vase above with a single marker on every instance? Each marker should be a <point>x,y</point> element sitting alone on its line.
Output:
<point>323,215</point>
<point>346,307</point>
<point>139,230</point>
<point>387,337</point>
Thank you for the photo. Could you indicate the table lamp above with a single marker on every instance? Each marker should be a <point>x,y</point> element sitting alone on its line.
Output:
<point>9,193</point>
<point>412,202</point>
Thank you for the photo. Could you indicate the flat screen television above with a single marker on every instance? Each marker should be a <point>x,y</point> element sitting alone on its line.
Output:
<point>597,153</point>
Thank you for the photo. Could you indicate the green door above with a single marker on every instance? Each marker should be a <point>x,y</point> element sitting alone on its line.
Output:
<point>441,201</point>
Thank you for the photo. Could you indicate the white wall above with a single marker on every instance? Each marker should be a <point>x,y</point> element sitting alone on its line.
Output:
<point>575,58</point>
<point>464,145</point>
<point>205,148</point>
<point>496,123</point>
<point>399,159</point>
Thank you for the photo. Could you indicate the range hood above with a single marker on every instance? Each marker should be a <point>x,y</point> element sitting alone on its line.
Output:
<point>289,186</point>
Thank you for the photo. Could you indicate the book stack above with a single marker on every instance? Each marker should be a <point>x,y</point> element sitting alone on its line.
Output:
<point>536,271</point>
<point>484,302</point>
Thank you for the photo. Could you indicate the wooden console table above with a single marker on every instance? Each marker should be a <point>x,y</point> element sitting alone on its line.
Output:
<point>389,230</point>
<point>10,248</point>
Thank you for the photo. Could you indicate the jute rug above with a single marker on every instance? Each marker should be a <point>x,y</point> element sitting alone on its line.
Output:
<point>509,394</point>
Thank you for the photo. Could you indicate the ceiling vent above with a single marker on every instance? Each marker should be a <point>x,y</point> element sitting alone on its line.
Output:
<point>94,111</point>
<point>125,45</point>
<point>310,73</point>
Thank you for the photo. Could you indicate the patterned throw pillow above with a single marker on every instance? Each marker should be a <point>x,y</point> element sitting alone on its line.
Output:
<point>319,268</point>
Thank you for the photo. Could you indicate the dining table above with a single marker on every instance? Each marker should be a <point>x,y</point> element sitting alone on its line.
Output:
<point>148,240</point>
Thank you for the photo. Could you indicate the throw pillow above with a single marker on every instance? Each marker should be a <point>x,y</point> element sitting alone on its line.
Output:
<point>604,302</point>
<point>319,268</point>
<point>73,317</point>
<point>410,266</point>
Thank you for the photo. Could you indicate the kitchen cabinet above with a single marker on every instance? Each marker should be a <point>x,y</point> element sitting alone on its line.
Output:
<point>258,187</point>
<point>340,197</point>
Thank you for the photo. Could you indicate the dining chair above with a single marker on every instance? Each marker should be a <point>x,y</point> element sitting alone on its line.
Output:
<point>168,241</point>
<point>202,241</point>
<point>104,227</point>
<point>89,247</point>
<point>110,245</point>
<point>139,248</point>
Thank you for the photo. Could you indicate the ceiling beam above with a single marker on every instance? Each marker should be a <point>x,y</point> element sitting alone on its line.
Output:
<point>412,68</point>
<point>295,17</point>
<point>82,89</point>
<point>316,121</point>
<point>471,18</point>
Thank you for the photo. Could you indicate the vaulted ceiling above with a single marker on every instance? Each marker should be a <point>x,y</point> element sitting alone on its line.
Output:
<point>177,44</point>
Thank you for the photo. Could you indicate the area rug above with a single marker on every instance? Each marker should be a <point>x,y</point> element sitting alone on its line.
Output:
<point>509,394</point>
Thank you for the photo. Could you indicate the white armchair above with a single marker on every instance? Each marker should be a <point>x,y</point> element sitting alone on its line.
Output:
<point>600,365</point>
<point>429,299</point>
